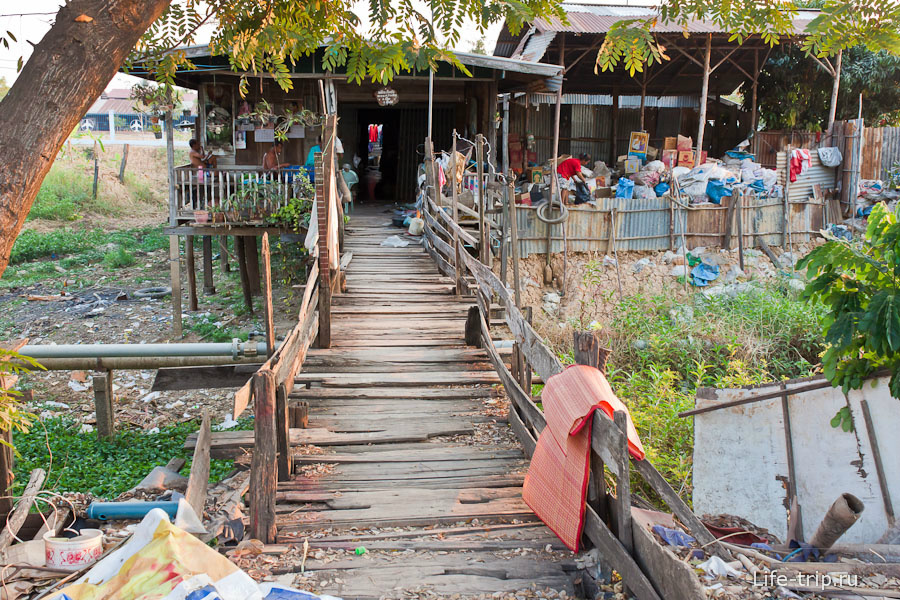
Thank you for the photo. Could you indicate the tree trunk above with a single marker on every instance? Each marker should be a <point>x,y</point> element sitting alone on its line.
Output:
<point>68,70</point>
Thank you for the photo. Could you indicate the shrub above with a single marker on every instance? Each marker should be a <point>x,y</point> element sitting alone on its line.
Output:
<point>31,245</point>
<point>118,258</point>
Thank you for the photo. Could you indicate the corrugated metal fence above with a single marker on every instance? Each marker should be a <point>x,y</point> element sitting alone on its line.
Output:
<point>658,224</point>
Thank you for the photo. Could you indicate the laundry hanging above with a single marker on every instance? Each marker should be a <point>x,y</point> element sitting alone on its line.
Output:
<point>799,162</point>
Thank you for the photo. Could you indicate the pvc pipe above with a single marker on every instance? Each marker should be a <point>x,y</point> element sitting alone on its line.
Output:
<point>105,511</point>
<point>108,363</point>
<point>233,349</point>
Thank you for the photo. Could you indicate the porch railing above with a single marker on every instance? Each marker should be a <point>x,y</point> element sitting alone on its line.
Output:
<point>208,189</point>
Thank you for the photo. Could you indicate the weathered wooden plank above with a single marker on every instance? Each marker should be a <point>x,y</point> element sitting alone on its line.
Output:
<point>263,470</point>
<point>198,481</point>
<point>399,378</point>
<point>395,393</point>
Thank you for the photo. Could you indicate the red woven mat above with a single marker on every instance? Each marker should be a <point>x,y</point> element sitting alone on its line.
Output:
<point>557,478</point>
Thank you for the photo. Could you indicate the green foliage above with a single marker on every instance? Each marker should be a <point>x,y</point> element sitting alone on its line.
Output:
<point>843,419</point>
<point>12,417</point>
<point>79,462</point>
<point>64,193</point>
<point>874,24</point>
<point>207,327</point>
<point>271,37</point>
<point>795,91</point>
<point>859,282</point>
<point>31,245</point>
<point>754,337</point>
<point>118,258</point>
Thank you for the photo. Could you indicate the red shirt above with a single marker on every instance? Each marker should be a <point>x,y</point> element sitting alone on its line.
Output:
<point>568,168</point>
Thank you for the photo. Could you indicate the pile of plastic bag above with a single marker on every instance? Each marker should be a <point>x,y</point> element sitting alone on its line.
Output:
<point>163,562</point>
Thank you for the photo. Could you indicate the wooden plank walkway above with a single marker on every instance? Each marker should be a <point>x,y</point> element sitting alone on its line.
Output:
<point>412,456</point>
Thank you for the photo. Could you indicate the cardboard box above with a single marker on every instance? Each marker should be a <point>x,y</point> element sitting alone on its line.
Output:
<point>603,192</point>
<point>686,159</point>
<point>684,143</point>
<point>602,180</point>
<point>536,175</point>
<point>670,143</point>
<point>523,198</point>
<point>670,158</point>
<point>632,165</point>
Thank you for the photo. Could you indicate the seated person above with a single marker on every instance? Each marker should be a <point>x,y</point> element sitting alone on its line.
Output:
<point>272,159</point>
<point>311,155</point>
<point>568,172</point>
<point>200,157</point>
<point>349,175</point>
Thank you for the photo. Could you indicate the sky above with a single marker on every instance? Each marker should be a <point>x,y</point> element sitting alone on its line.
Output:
<point>30,21</point>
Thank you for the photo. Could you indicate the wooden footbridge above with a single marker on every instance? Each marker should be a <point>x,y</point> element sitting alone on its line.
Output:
<point>394,432</point>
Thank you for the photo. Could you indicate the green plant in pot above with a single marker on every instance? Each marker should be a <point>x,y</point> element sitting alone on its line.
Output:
<point>296,213</point>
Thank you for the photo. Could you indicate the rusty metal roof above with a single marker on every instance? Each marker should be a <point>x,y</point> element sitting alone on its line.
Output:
<point>590,18</point>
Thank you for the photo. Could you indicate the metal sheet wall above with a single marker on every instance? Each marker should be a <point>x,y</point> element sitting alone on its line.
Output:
<point>817,174</point>
<point>890,149</point>
<point>644,225</point>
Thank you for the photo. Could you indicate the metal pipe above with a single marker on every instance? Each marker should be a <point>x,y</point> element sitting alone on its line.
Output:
<point>234,349</point>
<point>106,363</point>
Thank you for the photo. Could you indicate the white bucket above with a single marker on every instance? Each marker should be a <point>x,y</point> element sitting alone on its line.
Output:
<point>74,553</point>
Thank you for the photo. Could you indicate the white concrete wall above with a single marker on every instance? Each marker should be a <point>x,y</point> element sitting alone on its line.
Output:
<point>740,457</point>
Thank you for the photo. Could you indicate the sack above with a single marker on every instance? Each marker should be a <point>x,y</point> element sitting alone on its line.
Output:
<point>625,188</point>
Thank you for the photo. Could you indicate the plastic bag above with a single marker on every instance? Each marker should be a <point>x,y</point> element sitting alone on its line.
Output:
<point>625,188</point>
<point>716,189</point>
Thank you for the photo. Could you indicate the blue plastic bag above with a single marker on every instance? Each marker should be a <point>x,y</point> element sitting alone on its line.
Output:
<point>661,188</point>
<point>625,188</point>
<point>703,273</point>
<point>716,189</point>
<point>673,537</point>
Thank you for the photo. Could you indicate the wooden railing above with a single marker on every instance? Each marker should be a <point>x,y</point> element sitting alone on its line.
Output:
<point>208,189</point>
<point>608,518</point>
<point>272,383</point>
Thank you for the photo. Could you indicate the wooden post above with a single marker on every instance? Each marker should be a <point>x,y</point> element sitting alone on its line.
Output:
<point>644,100</point>
<point>175,280</point>
<point>613,155</point>
<point>298,414</point>
<point>473,327</point>
<point>514,244</point>
<point>285,461</point>
<point>251,253</point>
<point>704,96</point>
<point>834,95</point>
<point>96,171</point>
<point>6,472</point>
<point>223,254</point>
<point>481,199</point>
<point>588,350</point>
<point>323,213</point>
<point>191,271</point>
<point>754,94</point>
<point>263,467</point>
<point>267,296</point>
<point>122,164</point>
<point>457,259</point>
<point>527,373</point>
<point>198,482</point>
<point>623,487</point>
<point>740,229</point>
<point>242,268</point>
<point>508,195</point>
<point>104,405</point>
<point>209,286</point>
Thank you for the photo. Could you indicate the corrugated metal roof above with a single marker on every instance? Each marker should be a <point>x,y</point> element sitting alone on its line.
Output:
<point>537,45</point>
<point>587,18</point>
<point>624,101</point>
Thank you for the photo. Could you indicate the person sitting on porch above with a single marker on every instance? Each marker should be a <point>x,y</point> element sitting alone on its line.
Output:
<point>272,159</point>
<point>568,171</point>
<point>200,157</point>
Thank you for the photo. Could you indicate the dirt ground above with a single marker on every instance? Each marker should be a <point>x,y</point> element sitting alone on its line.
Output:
<point>646,273</point>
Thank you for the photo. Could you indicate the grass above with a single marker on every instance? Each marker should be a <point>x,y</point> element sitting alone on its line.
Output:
<point>207,327</point>
<point>664,349</point>
<point>118,259</point>
<point>86,243</point>
<point>65,193</point>
<point>79,462</point>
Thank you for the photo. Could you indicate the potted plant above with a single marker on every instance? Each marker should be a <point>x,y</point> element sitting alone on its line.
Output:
<point>217,215</point>
<point>153,100</point>
<point>201,216</point>
<point>157,131</point>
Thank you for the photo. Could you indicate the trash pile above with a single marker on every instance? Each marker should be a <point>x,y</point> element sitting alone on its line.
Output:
<point>761,566</point>
<point>871,192</point>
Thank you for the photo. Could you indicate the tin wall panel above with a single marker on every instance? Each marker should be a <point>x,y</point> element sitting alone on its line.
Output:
<point>817,174</point>
<point>871,153</point>
<point>643,225</point>
<point>890,149</point>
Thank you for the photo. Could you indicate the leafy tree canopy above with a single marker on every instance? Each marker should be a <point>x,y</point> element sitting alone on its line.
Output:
<point>842,24</point>
<point>859,281</point>
<point>795,91</point>
<point>267,37</point>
